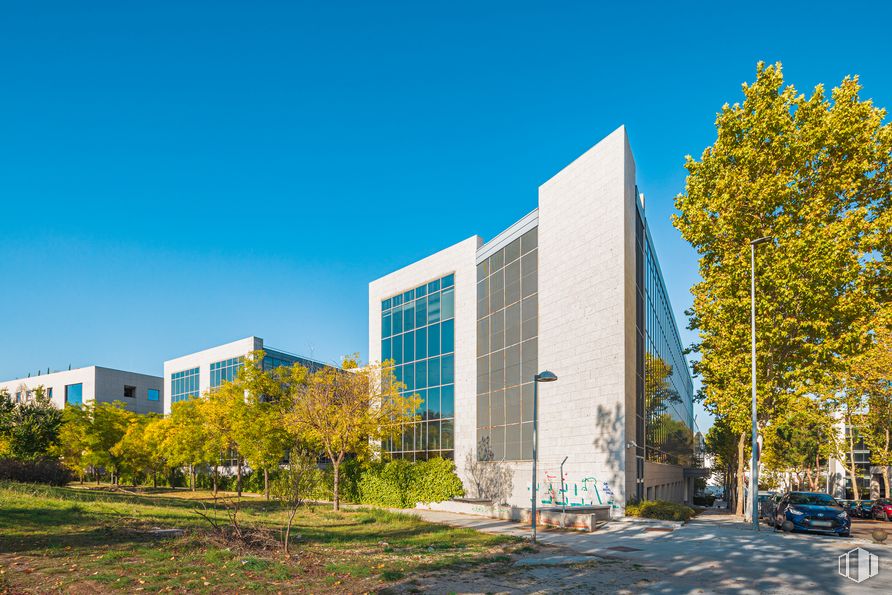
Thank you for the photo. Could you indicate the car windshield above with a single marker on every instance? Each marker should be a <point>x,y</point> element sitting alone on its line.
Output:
<point>818,499</point>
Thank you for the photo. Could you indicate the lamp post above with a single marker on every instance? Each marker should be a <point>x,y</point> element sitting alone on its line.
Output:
<point>754,467</point>
<point>545,376</point>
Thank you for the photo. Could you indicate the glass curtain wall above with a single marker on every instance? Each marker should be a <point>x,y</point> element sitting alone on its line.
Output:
<point>418,334</point>
<point>668,389</point>
<point>507,349</point>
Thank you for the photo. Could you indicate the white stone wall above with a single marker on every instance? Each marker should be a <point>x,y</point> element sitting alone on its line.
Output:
<point>460,260</point>
<point>203,360</point>
<point>99,385</point>
<point>586,318</point>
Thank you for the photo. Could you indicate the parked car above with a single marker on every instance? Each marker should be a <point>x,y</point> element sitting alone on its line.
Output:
<point>881,509</point>
<point>850,506</point>
<point>767,503</point>
<point>812,511</point>
<point>864,509</point>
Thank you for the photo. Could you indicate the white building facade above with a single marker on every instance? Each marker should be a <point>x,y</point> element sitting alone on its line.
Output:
<point>140,393</point>
<point>192,375</point>
<point>573,287</point>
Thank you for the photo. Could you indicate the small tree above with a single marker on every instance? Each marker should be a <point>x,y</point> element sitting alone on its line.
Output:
<point>342,410</point>
<point>295,483</point>
<point>187,442</point>
<point>109,423</point>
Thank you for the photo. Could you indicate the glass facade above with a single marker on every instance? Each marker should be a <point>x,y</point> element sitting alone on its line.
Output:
<point>74,394</point>
<point>184,385</point>
<point>226,370</point>
<point>277,359</point>
<point>507,349</point>
<point>418,335</point>
<point>154,394</point>
<point>666,383</point>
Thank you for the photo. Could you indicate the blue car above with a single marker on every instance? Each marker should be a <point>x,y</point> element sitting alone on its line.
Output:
<point>812,512</point>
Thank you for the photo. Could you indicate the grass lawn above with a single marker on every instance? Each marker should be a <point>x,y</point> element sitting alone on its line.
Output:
<point>94,540</point>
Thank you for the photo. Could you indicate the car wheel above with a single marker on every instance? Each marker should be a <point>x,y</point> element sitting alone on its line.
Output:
<point>885,516</point>
<point>846,534</point>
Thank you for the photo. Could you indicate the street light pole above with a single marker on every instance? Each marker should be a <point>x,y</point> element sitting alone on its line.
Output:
<point>754,466</point>
<point>545,376</point>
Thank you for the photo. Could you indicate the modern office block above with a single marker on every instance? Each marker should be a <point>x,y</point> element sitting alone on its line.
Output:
<point>140,393</point>
<point>574,287</point>
<point>192,375</point>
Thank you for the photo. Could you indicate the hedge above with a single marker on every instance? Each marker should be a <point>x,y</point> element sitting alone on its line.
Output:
<point>660,509</point>
<point>48,471</point>
<point>402,484</point>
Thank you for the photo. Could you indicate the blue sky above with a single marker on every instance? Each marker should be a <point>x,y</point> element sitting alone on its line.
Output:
<point>175,175</point>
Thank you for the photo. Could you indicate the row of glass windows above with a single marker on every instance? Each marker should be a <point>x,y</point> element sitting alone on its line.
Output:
<point>426,373</point>
<point>422,437</point>
<point>184,385</point>
<point>418,334</point>
<point>417,313</point>
<point>226,370</point>
<point>507,349</point>
<point>425,342</point>
<point>421,290</point>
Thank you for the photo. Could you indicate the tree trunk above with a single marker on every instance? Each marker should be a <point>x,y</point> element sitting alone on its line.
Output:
<point>288,527</point>
<point>741,480</point>
<point>154,478</point>
<point>215,481</point>
<point>238,472</point>
<point>853,470</point>
<point>336,463</point>
<point>266,486</point>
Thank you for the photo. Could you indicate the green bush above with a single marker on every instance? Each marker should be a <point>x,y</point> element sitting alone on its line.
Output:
<point>660,509</point>
<point>48,471</point>
<point>403,484</point>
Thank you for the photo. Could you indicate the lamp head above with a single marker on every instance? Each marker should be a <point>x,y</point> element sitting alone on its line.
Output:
<point>758,241</point>
<point>545,376</point>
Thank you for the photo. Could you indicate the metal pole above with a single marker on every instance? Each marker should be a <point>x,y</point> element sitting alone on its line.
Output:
<point>563,494</point>
<point>754,471</point>
<point>535,440</point>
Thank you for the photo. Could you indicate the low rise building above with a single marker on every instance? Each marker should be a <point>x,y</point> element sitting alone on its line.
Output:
<point>140,393</point>
<point>191,375</point>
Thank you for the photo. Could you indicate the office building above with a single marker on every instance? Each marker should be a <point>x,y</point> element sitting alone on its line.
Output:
<point>194,374</point>
<point>140,393</point>
<point>574,287</point>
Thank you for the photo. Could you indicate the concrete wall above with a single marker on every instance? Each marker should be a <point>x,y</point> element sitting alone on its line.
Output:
<point>664,482</point>
<point>460,260</point>
<point>99,385</point>
<point>203,360</point>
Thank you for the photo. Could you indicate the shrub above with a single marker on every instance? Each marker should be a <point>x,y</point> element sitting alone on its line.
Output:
<point>660,509</point>
<point>402,484</point>
<point>48,471</point>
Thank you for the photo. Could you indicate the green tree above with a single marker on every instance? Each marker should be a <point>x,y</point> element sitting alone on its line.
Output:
<point>341,411</point>
<point>187,441</point>
<point>809,172</point>
<point>29,429</point>
<point>73,448</point>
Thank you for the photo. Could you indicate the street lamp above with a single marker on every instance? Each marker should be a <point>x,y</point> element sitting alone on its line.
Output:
<point>545,376</point>
<point>754,468</point>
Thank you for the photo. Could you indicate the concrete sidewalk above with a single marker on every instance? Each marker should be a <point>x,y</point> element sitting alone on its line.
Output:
<point>713,553</point>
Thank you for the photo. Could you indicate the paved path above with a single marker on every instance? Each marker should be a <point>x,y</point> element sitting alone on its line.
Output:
<point>713,553</point>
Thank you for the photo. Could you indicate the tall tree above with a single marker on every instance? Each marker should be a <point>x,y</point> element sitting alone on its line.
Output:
<point>808,172</point>
<point>342,411</point>
<point>29,429</point>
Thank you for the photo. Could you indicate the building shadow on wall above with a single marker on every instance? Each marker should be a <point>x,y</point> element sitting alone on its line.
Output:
<point>489,479</point>
<point>609,439</point>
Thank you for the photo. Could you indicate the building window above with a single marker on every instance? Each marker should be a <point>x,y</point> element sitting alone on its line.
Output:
<point>129,392</point>
<point>154,394</point>
<point>184,385</point>
<point>418,335</point>
<point>226,370</point>
<point>507,349</point>
<point>49,393</point>
<point>74,394</point>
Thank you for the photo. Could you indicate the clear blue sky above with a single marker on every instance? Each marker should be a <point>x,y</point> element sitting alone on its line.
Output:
<point>174,175</point>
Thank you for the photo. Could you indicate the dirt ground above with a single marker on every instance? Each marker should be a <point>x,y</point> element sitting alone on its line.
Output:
<point>599,575</point>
